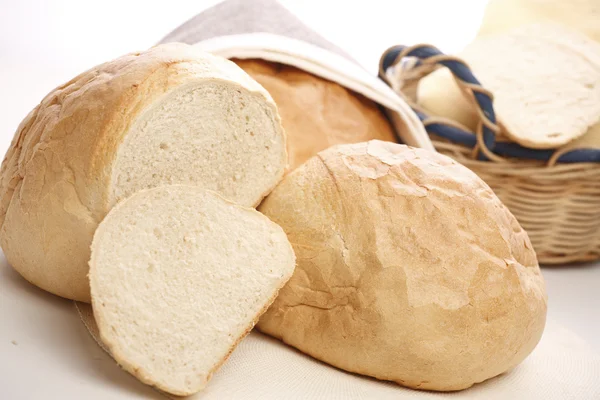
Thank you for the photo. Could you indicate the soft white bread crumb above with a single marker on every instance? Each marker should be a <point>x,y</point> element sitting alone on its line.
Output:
<point>178,276</point>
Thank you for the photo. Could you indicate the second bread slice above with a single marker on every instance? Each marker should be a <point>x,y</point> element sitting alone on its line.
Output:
<point>178,277</point>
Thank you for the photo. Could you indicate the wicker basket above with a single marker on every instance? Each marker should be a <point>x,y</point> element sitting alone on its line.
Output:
<point>557,203</point>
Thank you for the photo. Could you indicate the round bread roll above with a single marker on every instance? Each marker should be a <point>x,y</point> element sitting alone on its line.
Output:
<point>317,113</point>
<point>178,277</point>
<point>169,115</point>
<point>502,15</point>
<point>409,269</point>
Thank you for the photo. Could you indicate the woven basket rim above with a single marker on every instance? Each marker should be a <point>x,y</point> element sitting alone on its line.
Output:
<point>518,167</point>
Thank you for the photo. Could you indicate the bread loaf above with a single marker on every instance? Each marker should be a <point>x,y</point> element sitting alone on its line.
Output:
<point>317,113</point>
<point>178,276</point>
<point>168,115</point>
<point>409,268</point>
<point>545,79</point>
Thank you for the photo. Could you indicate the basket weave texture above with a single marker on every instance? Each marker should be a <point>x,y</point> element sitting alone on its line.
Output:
<point>558,204</point>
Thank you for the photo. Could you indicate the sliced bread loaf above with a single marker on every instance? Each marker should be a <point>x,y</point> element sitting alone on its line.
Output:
<point>178,277</point>
<point>168,115</point>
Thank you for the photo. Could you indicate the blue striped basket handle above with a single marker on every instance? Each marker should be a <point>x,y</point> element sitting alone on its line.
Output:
<point>417,60</point>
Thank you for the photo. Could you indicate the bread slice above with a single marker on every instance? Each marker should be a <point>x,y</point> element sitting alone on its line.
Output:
<point>545,79</point>
<point>178,277</point>
<point>168,115</point>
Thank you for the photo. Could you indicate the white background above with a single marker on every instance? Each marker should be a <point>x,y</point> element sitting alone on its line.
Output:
<point>44,43</point>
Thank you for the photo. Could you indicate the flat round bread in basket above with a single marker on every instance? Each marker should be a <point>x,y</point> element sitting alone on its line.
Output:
<point>545,80</point>
<point>536,144</point>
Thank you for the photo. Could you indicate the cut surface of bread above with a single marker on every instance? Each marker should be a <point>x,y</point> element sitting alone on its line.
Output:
<point>545,79</point>
<point>168,115</point>
<point>178,276</point>
<point>210,133</point>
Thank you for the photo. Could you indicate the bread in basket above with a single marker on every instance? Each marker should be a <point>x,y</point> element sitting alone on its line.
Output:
<point>537,145</point>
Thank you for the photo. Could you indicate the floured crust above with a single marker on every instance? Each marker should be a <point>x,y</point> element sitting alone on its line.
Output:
<point>409,269</point>
<point>56,176</point>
